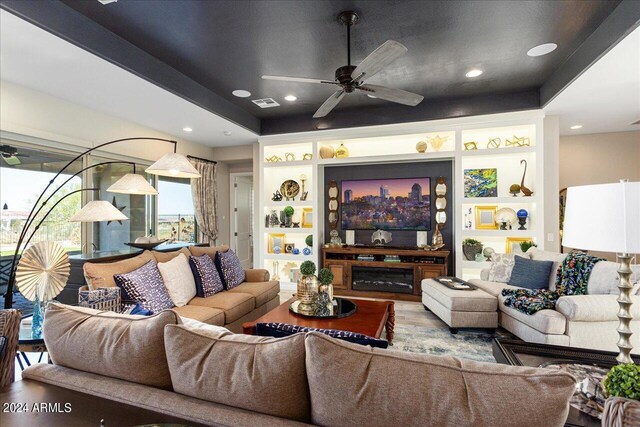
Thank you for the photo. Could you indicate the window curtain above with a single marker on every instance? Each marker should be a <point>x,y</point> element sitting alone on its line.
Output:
<point>205,201</point>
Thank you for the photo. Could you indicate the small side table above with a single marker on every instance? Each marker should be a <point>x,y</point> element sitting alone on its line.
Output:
<point>28,344</point>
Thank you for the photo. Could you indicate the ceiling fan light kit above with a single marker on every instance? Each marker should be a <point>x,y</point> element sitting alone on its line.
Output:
<point>351,78</point>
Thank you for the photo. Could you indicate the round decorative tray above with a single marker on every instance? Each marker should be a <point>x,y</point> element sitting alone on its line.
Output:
<point>341,308</point>
<point>146,245</point>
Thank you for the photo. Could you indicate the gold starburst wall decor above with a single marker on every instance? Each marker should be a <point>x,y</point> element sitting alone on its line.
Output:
<point>43,271</point>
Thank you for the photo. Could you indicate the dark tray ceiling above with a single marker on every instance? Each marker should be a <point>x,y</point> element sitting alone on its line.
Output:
<point>227,45</point>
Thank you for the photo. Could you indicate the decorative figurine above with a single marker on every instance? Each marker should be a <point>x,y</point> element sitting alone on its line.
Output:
<point>273,159</point>
<point>524,189</point>
<point>494,143</point>
<point>276,268</point>
<point>327,152</point>
<point>289,157</point>
<point>342,152</point>
<point>488,252</point>
<point>421,146</point>
<point>307,156</point>
<point>437,141</point>
<point>471,145</point>
<point>381,237</point>
<point>514,189</point>
<point>277,196</point>
<point>335,238</point>
<point>306,251</point>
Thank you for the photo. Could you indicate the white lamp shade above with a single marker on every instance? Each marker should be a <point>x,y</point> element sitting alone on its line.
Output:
<point>603,217</point>
<point>98,210</point>
<point>132,183</point>
<point>173,164</point>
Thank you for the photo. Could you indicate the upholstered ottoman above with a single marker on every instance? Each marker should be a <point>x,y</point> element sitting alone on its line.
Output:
<point>460,309</point>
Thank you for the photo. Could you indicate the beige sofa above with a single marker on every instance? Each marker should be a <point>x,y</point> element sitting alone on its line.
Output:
<point>210,376</point>
<point>586,321</point>
<point>244,303</point>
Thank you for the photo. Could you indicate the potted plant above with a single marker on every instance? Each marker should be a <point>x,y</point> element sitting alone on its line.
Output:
<point>325,277</point>
<point>525,246</point>
<point>288,215</point>
<point>470,248</point>
<point>623,381</point>
<point>307,286</point>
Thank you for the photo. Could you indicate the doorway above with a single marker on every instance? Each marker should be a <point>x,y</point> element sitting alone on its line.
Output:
<point>242,217</point>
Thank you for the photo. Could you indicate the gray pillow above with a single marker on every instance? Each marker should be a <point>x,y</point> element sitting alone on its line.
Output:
<point>531,274</point>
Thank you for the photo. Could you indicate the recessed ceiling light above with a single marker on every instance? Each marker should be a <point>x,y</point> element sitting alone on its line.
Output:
<point>290,98</point>
<point>542,49</point>
<point>473,73</point>
<point>241,93</point>
<point>227,133</point>
<point>576,127</point>
<point>371,96</point>
<point>187,129</point>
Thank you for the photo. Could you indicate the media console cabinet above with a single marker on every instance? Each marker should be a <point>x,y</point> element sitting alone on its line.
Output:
<point>383,271</point>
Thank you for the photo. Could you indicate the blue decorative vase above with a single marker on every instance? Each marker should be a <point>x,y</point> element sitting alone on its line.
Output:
<point>522,218</point>
<point>36,325</point>
<point>296,251</point>
<point>522,213</point>
<point>277,249</point>
<point>306,251</point>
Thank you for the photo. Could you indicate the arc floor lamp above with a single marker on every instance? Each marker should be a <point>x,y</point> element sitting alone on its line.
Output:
<point>171,164</point>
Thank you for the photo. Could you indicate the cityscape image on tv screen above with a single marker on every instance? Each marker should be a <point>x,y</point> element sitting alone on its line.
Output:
<point>386,204</point>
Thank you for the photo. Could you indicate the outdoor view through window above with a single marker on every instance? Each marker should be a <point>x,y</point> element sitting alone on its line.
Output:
<point>176,218</point>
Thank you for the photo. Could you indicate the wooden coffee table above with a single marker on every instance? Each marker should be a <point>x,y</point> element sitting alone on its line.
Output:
<point>370,318</point>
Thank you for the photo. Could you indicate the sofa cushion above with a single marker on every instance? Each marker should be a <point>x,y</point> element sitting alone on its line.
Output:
<point>212,316</point>
<point>265,375</point>
<point>594,308</point>
<point>545,321</point>
<point>234,304</point>
<point>492,288</point>
<point>557,258</point>
<point>145,286</point>
<point>206,276</point>
<point>178,279</point>
<point>391,388</point>
<point>100,274</point>
<point>106,343</point>
<point>263,292</point>
<point>168,256</point>
<point>501,267</point>
<point>230,269</point>
<point>531,274</point>
<point>207,250</point>
<point>604,278</point>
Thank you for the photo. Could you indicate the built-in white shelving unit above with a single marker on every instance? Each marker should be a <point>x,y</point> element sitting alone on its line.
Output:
<point>397,144</point>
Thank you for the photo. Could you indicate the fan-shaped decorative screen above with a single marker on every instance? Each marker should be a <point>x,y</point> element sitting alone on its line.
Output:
<point>43,271</point>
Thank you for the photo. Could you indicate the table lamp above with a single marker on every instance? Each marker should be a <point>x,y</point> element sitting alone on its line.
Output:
<point>605,218</point>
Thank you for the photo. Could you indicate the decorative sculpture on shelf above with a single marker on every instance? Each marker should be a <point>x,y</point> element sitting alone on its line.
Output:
<point>381,237</point>
<point>527,192</point>
<point>471,145</point>
<point>335,238</point>
<point>514,189</point>
<point>342,152</point>
<point>523,141</point>
<point>494,143</point>
<point>522,218</point>
<point>276,268</point>
<point>307,156</point>
<point>277,197</point>
<point>421,146</point>
<point>273,159</point>
<point>290,157</point>
<point>437,141</point>
<point>327,152</point>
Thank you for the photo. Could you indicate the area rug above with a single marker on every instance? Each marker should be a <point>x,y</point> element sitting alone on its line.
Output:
<point>473,344</point>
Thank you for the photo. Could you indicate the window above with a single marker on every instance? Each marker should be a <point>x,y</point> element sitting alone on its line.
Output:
<point>22,179</point>
<point>176,215</point>
<point>140,209</point>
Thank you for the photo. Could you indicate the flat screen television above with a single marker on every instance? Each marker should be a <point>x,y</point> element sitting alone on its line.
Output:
<point>386,204</point>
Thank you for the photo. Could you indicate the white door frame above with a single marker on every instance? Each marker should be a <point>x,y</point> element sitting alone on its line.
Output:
<point>232,203</point>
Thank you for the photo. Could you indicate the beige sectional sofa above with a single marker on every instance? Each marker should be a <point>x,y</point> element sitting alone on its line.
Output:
<point>207,375</point>
<point>586,321</point>
<point>244,303</point>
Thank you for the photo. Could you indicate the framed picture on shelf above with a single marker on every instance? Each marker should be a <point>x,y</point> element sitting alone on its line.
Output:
<point>275,240</point>
<point>481,182</point>
<point>513,244</point>
<point>486,218</point>
<point>289,247</point>
<point>307,217</point>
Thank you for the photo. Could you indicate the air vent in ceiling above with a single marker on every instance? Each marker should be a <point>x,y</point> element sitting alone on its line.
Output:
<point>265,103</point>
<point>637,122</point>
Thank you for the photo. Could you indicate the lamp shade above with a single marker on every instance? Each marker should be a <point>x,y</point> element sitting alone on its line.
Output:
<point>173,164</point>
<point>132,183</point>
<point>98,210</point>
<point>604,217</point>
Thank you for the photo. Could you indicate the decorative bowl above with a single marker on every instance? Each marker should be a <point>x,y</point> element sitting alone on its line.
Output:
<point>146,245</point>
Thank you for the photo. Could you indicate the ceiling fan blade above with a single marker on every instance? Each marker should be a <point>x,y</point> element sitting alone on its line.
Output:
<point>329,104</point>
<point>299,79</point>
<point>393,95</point>
<point>12,160</point>
<point>384,55</point>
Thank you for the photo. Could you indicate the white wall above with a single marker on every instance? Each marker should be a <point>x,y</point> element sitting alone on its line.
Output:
<point>27,112</point>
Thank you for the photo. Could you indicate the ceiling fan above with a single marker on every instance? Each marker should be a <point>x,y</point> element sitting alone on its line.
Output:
<point>351,77</point>
<point>10,155</point>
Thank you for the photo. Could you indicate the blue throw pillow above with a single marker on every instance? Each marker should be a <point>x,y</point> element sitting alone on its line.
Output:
<point>531,274</point>
<point>146,287</point>
<point>140,311</point>
<point>279,330</point>
<point>208,281</point>
<point>230,269</point>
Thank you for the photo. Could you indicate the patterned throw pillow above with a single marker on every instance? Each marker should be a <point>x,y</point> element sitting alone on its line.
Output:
<point>230,269</point>
<point>501,267</point>
<point>208,281</point>
<point>279,330</point>
<point>145,286</point>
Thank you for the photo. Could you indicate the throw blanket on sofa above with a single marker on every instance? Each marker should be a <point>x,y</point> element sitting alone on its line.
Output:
<point>571,279</point>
